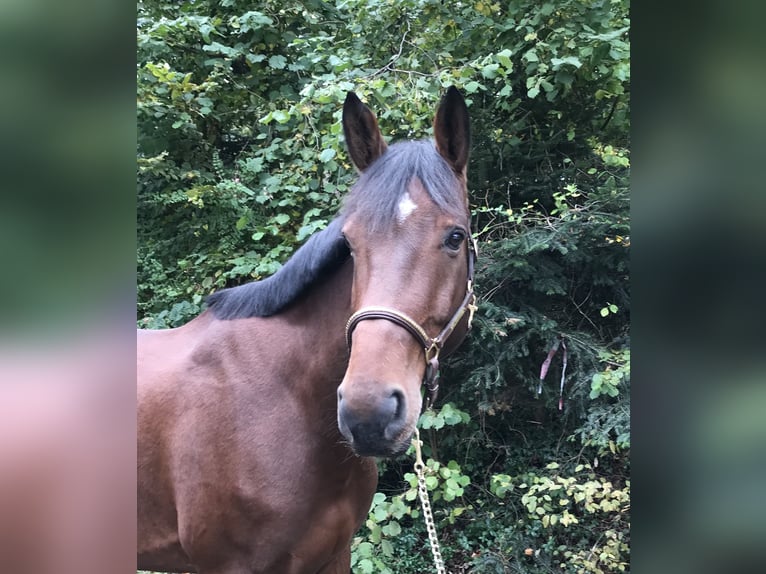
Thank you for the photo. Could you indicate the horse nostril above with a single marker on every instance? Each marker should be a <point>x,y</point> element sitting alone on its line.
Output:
<point>396,414</point>
<point>398,398</point>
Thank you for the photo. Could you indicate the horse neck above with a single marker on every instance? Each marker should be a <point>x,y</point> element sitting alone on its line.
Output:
<point>316,324</point>
<point>304,345</point>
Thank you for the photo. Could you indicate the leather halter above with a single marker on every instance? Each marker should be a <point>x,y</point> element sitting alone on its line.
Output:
<point>431,346</point>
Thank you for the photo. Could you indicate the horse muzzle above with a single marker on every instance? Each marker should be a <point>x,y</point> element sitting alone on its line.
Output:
<point>376,425</point>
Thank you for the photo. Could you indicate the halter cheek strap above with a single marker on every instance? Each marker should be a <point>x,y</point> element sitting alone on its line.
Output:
<point>432,347</point>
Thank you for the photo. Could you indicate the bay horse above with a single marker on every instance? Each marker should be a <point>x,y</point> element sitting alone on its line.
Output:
<point>259,420</point>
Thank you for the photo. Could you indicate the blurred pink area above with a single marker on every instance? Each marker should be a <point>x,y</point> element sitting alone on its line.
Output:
<point>67,457</point>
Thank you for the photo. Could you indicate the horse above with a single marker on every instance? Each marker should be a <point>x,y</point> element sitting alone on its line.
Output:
<point>260,420</point>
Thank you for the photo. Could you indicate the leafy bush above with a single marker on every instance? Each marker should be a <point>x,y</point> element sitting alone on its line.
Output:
<point>573,508</point>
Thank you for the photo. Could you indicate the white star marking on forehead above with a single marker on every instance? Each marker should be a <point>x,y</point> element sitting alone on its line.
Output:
<point>406,207</point>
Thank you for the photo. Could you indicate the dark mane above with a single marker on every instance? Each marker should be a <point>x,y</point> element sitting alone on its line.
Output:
<point>375,199</point>
<point>322,253</point>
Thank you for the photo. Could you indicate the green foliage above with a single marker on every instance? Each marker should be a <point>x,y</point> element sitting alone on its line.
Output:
<point>578,506</point>
<point>241,158</point>
<point>616,372</point>
<point>448,414</point>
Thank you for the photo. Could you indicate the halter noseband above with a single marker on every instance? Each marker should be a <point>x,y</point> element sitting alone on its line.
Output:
<point>431,346</point>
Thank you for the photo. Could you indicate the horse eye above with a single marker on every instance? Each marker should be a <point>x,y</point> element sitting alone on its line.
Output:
<point>455,239</point>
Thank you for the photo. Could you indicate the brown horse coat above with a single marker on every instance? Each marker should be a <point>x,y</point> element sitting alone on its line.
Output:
<point>248,480</point>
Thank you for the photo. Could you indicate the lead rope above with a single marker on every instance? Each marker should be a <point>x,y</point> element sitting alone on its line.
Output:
<point>426,504</point>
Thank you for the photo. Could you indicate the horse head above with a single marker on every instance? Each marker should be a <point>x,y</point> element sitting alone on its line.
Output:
<point>407,225</point>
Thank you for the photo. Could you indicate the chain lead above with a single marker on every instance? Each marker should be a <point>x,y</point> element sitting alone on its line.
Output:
<point>426,504</point>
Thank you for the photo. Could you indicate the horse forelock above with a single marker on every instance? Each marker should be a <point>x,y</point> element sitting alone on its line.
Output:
<point>376,198</point>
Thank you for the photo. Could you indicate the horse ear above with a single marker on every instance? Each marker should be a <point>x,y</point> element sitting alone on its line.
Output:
<point>363,138</point>
<point>452,130</point>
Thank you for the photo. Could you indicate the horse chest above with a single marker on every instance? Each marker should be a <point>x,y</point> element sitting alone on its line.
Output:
<point>297,523</point>
<point>329,524</point>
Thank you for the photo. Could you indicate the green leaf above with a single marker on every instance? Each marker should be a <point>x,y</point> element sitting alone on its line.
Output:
<point>490,71</point>
<point>218,48</point>
<point>380,514</point>
<point>254,165</point>
<point>204,31</point>
<point>281,116</point>
<point>281,218</point>
<point>531,56</point>
<point>255,19</point>
<point>366,566</point>
<point>278,62</point>
<point>568,60</point>
<point>471,87</point>
<point>609,36</point>
<point>392,529</point>
<point>364,549</point>
<point>327,155</point>
<point>504,57</point>
<point>242,222</point>
<point>597,381</point>
<point>386,548</point>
